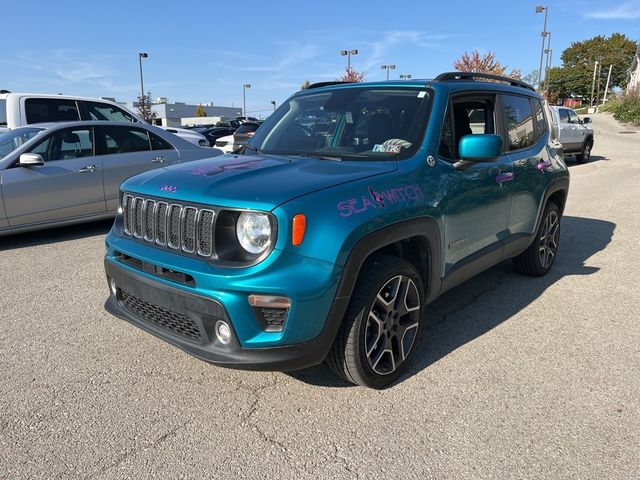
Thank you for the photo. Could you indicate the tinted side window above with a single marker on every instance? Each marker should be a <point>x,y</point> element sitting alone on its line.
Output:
<point>104,111</point>
<point>66,144</point>
<point>518,119</point>
<point>125,140</point>
<point>564,115</point>
<point>540,120</point>
<point>446,138</point>
<point>573,117</point>
<point>158,143</point>
<point>40,110</point>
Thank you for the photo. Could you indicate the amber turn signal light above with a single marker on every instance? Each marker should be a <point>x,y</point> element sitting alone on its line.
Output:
<point>299,226</point>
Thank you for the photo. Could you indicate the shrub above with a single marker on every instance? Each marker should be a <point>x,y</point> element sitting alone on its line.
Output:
<point>625,108</point>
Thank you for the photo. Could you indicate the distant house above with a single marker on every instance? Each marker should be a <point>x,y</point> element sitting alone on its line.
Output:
<point>633,85</point>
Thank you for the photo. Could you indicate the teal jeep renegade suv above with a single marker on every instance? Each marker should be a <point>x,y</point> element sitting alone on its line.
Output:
<point>351,209</point>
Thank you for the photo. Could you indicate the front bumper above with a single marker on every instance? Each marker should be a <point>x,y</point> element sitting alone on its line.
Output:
<point>187,319</point>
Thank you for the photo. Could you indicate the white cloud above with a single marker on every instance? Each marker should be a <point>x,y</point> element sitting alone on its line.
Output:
<point>625,11</point>
<point>396,38</point>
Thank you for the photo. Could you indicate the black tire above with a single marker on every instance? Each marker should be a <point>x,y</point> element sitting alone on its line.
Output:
<point>585,154</point>
<point>538,259</point>
<point>374,330</point>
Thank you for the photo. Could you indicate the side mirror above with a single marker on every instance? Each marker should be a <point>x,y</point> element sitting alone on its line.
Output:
<point>586,120</point>
<point>30,160</point>
<point>478,148</point>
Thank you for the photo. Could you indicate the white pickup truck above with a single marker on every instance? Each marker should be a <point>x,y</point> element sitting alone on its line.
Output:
<point>21,109</point>
<point>573,132</point>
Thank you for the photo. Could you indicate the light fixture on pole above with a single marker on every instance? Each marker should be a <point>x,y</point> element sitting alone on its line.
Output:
<point>273,102</point>
<point>405,77</point>
<point>141,55</point>
<point>387,68</point>
<point>348,53</point>
<point>540,9</point>
<point>244,98</point>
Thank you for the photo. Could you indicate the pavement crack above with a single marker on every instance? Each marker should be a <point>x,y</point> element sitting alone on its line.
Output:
<point>152,444</point>
<point>257,393</point>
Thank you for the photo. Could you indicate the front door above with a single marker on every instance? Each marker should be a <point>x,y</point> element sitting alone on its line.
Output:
<point>68,185</point>
<point>478,198</point>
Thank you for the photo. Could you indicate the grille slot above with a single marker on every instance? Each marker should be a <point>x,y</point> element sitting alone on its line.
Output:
<point>189,229</point>
<point>205,232</point>
<point>175,322</point>
<point>173,226</point>
<point>180,227</point>
<point>149,207</point>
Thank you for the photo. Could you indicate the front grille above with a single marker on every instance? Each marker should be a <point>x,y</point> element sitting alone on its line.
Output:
<point>175,322</point>
<point>180,227</point>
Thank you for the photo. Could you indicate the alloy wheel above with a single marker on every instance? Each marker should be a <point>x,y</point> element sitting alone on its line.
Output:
<point>392,324</point>
<point>549,239</point>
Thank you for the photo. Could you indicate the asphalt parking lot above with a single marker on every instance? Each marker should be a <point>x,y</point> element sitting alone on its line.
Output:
<point>516,377</point>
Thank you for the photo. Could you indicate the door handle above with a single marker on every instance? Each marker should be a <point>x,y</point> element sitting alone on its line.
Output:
<point>158,160</point>
<point>541,165</point>
<point>88,168</point>
<point>504,177</point>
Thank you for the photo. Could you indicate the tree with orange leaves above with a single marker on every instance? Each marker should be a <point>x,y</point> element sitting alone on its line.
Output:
<point>487,63</point>
<point>350,75</point>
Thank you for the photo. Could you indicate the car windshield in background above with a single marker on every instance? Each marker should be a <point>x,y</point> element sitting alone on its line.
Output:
<point>359,122</point>
<point>13,139</point>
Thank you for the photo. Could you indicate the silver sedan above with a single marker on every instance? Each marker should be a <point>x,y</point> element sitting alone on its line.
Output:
<point>63,173</point>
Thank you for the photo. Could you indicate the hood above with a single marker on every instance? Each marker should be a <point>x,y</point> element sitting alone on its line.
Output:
<point>251,181</point>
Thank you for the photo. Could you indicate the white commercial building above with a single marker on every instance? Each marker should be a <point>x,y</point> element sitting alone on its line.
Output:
<point>171,114</point>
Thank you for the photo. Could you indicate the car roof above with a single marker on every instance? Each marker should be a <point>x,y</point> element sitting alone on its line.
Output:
<point>457,81</point>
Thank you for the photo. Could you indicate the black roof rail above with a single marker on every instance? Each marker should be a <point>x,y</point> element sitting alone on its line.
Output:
<point>326,84</point>
<point>449,76</point>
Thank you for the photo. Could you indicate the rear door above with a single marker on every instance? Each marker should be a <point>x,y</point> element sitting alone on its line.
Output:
<point>526,137</point>
<point>68,185</point>
<point>568,133</point>
<point>128,151</point>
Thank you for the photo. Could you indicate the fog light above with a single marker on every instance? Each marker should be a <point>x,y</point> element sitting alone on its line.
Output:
<point>223,332</point>
<point>112,287</point>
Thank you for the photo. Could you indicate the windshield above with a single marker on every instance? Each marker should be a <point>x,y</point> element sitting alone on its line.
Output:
<point>13,139</point>
<point>374,123</point>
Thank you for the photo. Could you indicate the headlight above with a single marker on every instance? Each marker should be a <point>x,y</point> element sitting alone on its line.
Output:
<point>254,231</point>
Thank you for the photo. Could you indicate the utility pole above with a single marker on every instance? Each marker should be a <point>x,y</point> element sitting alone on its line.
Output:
<point>606,89</point>
<point>593,82</point>
<point>598,84</point>
<point>544,33</point>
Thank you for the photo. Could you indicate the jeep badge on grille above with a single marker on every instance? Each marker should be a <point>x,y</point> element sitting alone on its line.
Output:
<point>169,188</point>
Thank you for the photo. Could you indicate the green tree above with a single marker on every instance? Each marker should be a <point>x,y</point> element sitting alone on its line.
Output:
<point>305,85</point>
<point>200,111</point>
<point>576,74</point>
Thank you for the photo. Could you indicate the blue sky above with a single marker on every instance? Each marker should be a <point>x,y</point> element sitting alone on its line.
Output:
<point>204,52</point>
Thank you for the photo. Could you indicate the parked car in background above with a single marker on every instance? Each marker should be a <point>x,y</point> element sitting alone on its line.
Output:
<point>573,132</point>
<point>214,133</point>
<point>225,144</point>
<point>20,109</point>
<point>62,173</point>
<point>243,134</point>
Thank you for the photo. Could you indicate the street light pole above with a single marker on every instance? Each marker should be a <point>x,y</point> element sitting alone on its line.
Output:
<point>540,9</point>
<point>405,77</point>
<point>387,68</point>
<point>244,98</point>
<point>348,54</point>
<point>273,102</point>
<point>141,55</point>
